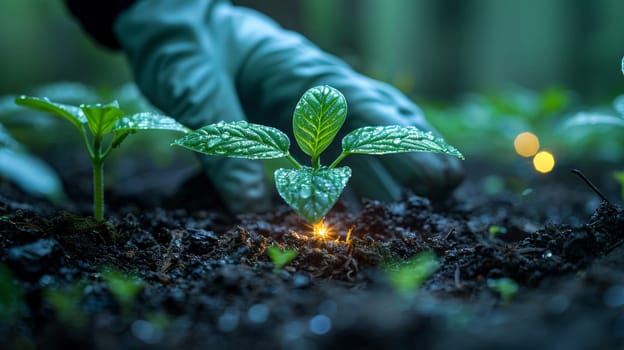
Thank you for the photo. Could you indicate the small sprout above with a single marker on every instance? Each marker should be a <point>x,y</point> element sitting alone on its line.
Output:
<point>280,257</point>
<point>103,127</point>
<point>160,320</point>
<point>506,287</point>
<point>495,230</point>
<point>124,287</point>
<point>11,296</point>
<point>619,177</point>
<point>66,304</point>
<point>408,277</point>
<point>320,113</point>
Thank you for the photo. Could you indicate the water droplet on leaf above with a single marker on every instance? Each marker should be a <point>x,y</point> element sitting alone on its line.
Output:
<point>396,141</point>
<point>305,192</point>
<point>213,141</point>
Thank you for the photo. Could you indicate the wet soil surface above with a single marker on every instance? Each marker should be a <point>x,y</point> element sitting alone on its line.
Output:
<point>186,273</point>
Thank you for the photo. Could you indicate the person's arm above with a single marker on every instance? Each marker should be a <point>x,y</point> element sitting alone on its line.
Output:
<point>203,61</point>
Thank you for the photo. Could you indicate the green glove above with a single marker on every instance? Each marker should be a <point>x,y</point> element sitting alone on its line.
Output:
<point>203,61</point>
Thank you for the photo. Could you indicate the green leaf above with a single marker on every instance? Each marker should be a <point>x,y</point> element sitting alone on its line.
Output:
<point>101,118</point>
<point>280,257</point>
<point>149,121</point>
<point>72,113</point>
<point>311,193</point>
<point>318,116</point>
<point>237,139</point>
<point>394,139</point>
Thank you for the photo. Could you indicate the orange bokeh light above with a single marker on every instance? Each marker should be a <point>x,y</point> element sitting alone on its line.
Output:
<point>526,144</point>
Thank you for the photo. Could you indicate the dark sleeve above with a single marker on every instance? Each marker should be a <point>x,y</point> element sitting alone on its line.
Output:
<point>97,18</point>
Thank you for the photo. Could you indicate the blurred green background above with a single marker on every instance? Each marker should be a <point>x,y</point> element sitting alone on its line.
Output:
<point>430,48</point>
<point>483,71</point>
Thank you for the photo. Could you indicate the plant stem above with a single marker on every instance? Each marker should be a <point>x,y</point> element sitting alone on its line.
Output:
<point>294,162</point>
<point>98,190</point>
<point>316,162</point>
<point>338,160</point>
<point>85,139</point>
<point>98,175</point>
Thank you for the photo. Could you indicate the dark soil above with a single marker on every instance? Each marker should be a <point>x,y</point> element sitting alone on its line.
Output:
<point>209,283</point>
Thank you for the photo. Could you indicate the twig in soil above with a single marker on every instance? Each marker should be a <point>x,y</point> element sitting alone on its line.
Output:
<point>449,233</point>
<point>529,250</point>
<point>352,267</point>
<point>590,184</point>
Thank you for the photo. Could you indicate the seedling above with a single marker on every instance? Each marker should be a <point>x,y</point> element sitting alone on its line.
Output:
<point>103,128</point>
<point>280,257</point>
<point>408,277</point>
<point>124,287</point>
<point>506,287</point>
<point>66,304</point>
<point>495,230</point>
<point>320,113</point>
<point>12,305</point>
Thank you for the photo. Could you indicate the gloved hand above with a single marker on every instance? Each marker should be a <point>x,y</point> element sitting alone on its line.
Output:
<point>202,61</point>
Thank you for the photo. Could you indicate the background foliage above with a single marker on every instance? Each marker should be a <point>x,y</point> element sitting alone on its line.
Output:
<point>436,48</point>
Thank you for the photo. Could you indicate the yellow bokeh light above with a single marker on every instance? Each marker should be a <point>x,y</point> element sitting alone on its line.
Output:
<point>526,144</point>
<point>544,162</point>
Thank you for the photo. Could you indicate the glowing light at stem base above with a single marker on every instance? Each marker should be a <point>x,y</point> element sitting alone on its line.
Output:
<point>320,230</point>
<point>324,232</point>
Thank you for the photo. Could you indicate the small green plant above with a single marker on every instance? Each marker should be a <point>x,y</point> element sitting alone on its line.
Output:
<point>408,277</point>
<point>66,304</point>
<point>280,257</point>
<point>124,287</point>
<point>495,230</point>
<point>103,128</point>
<point>12,305</point>
<point>506,287</point>
<point>320,113</point>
